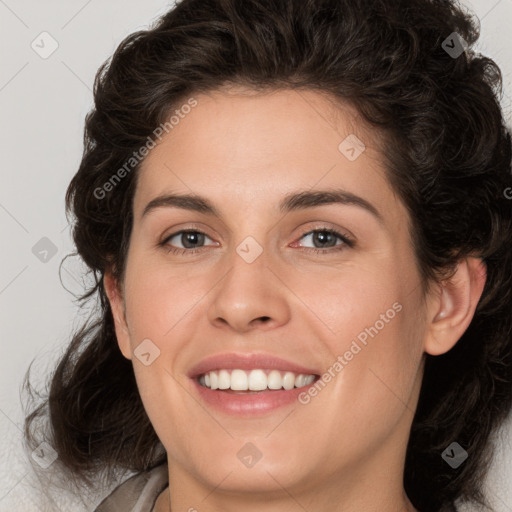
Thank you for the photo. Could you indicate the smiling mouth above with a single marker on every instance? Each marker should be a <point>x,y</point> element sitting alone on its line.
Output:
<point>238,381</point>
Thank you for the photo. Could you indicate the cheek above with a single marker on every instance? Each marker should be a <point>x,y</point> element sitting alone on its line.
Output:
<point>373,384</point>
<point>158,299</point>
<point>374,338</point>
<point>347,301</point>
<point>379,381</point>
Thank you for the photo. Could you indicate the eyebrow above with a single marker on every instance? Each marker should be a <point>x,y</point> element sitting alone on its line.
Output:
<point>291,202</point>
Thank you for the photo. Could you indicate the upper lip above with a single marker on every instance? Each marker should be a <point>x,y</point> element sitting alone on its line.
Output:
<point>247,362</point>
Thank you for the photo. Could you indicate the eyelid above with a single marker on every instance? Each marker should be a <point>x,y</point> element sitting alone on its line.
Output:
<point>346,237</point>
<point>166,238</point>
<point>175,231</point>
<point>327,226</point>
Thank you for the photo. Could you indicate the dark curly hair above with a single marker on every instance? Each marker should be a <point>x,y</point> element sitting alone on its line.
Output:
<point>448,156</point>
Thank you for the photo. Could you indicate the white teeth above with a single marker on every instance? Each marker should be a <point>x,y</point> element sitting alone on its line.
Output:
<point>275,381</point>
<point>239,381</point>
<point>289,380</point>
<point>254,380</point>
<point>214,380</point>
<point>257,380</point>
<point>300,380</point>
<point>224,379</point>
<point>309,380</point>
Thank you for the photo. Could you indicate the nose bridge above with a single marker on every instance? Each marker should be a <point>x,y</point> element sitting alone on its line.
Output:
<point>249,291</point>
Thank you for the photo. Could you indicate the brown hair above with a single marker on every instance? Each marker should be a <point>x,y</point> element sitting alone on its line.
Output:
<point>448,155</point>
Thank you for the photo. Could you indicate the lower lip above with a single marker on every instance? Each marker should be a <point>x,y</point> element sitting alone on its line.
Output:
<point>248,404</point>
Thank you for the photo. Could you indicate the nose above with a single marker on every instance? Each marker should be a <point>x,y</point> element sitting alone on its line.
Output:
<point>249,296</point>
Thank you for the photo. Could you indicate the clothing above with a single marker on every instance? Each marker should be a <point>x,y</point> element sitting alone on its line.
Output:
<point>138,493</point>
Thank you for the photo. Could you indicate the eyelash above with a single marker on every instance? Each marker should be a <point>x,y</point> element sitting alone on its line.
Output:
<point>347,241</point>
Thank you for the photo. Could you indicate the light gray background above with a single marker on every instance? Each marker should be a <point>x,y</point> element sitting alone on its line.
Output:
<point>43,103</point>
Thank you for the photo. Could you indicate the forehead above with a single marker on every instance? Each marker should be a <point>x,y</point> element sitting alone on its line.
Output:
<point>242,147</point>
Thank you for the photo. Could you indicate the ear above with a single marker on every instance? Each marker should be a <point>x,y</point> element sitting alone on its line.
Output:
<point>453,308</point>
<point>115,299</point>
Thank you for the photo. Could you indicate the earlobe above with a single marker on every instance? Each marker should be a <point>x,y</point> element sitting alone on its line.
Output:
<point>455,305</point>
<point>118,312</point>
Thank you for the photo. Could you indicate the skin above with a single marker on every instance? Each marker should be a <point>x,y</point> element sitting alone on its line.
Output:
<point>345,449</point>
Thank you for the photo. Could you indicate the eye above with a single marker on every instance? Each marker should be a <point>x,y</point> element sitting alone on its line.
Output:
<point>327,237</point>
<point>189,239</point>
<point>192,240</point>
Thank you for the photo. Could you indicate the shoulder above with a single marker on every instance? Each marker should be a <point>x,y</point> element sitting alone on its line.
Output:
<point>138,493</point>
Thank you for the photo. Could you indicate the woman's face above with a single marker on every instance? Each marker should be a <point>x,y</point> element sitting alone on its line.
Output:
<point>266,280</point>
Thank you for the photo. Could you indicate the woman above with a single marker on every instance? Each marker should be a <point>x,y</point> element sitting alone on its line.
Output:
<point>340,337</point>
